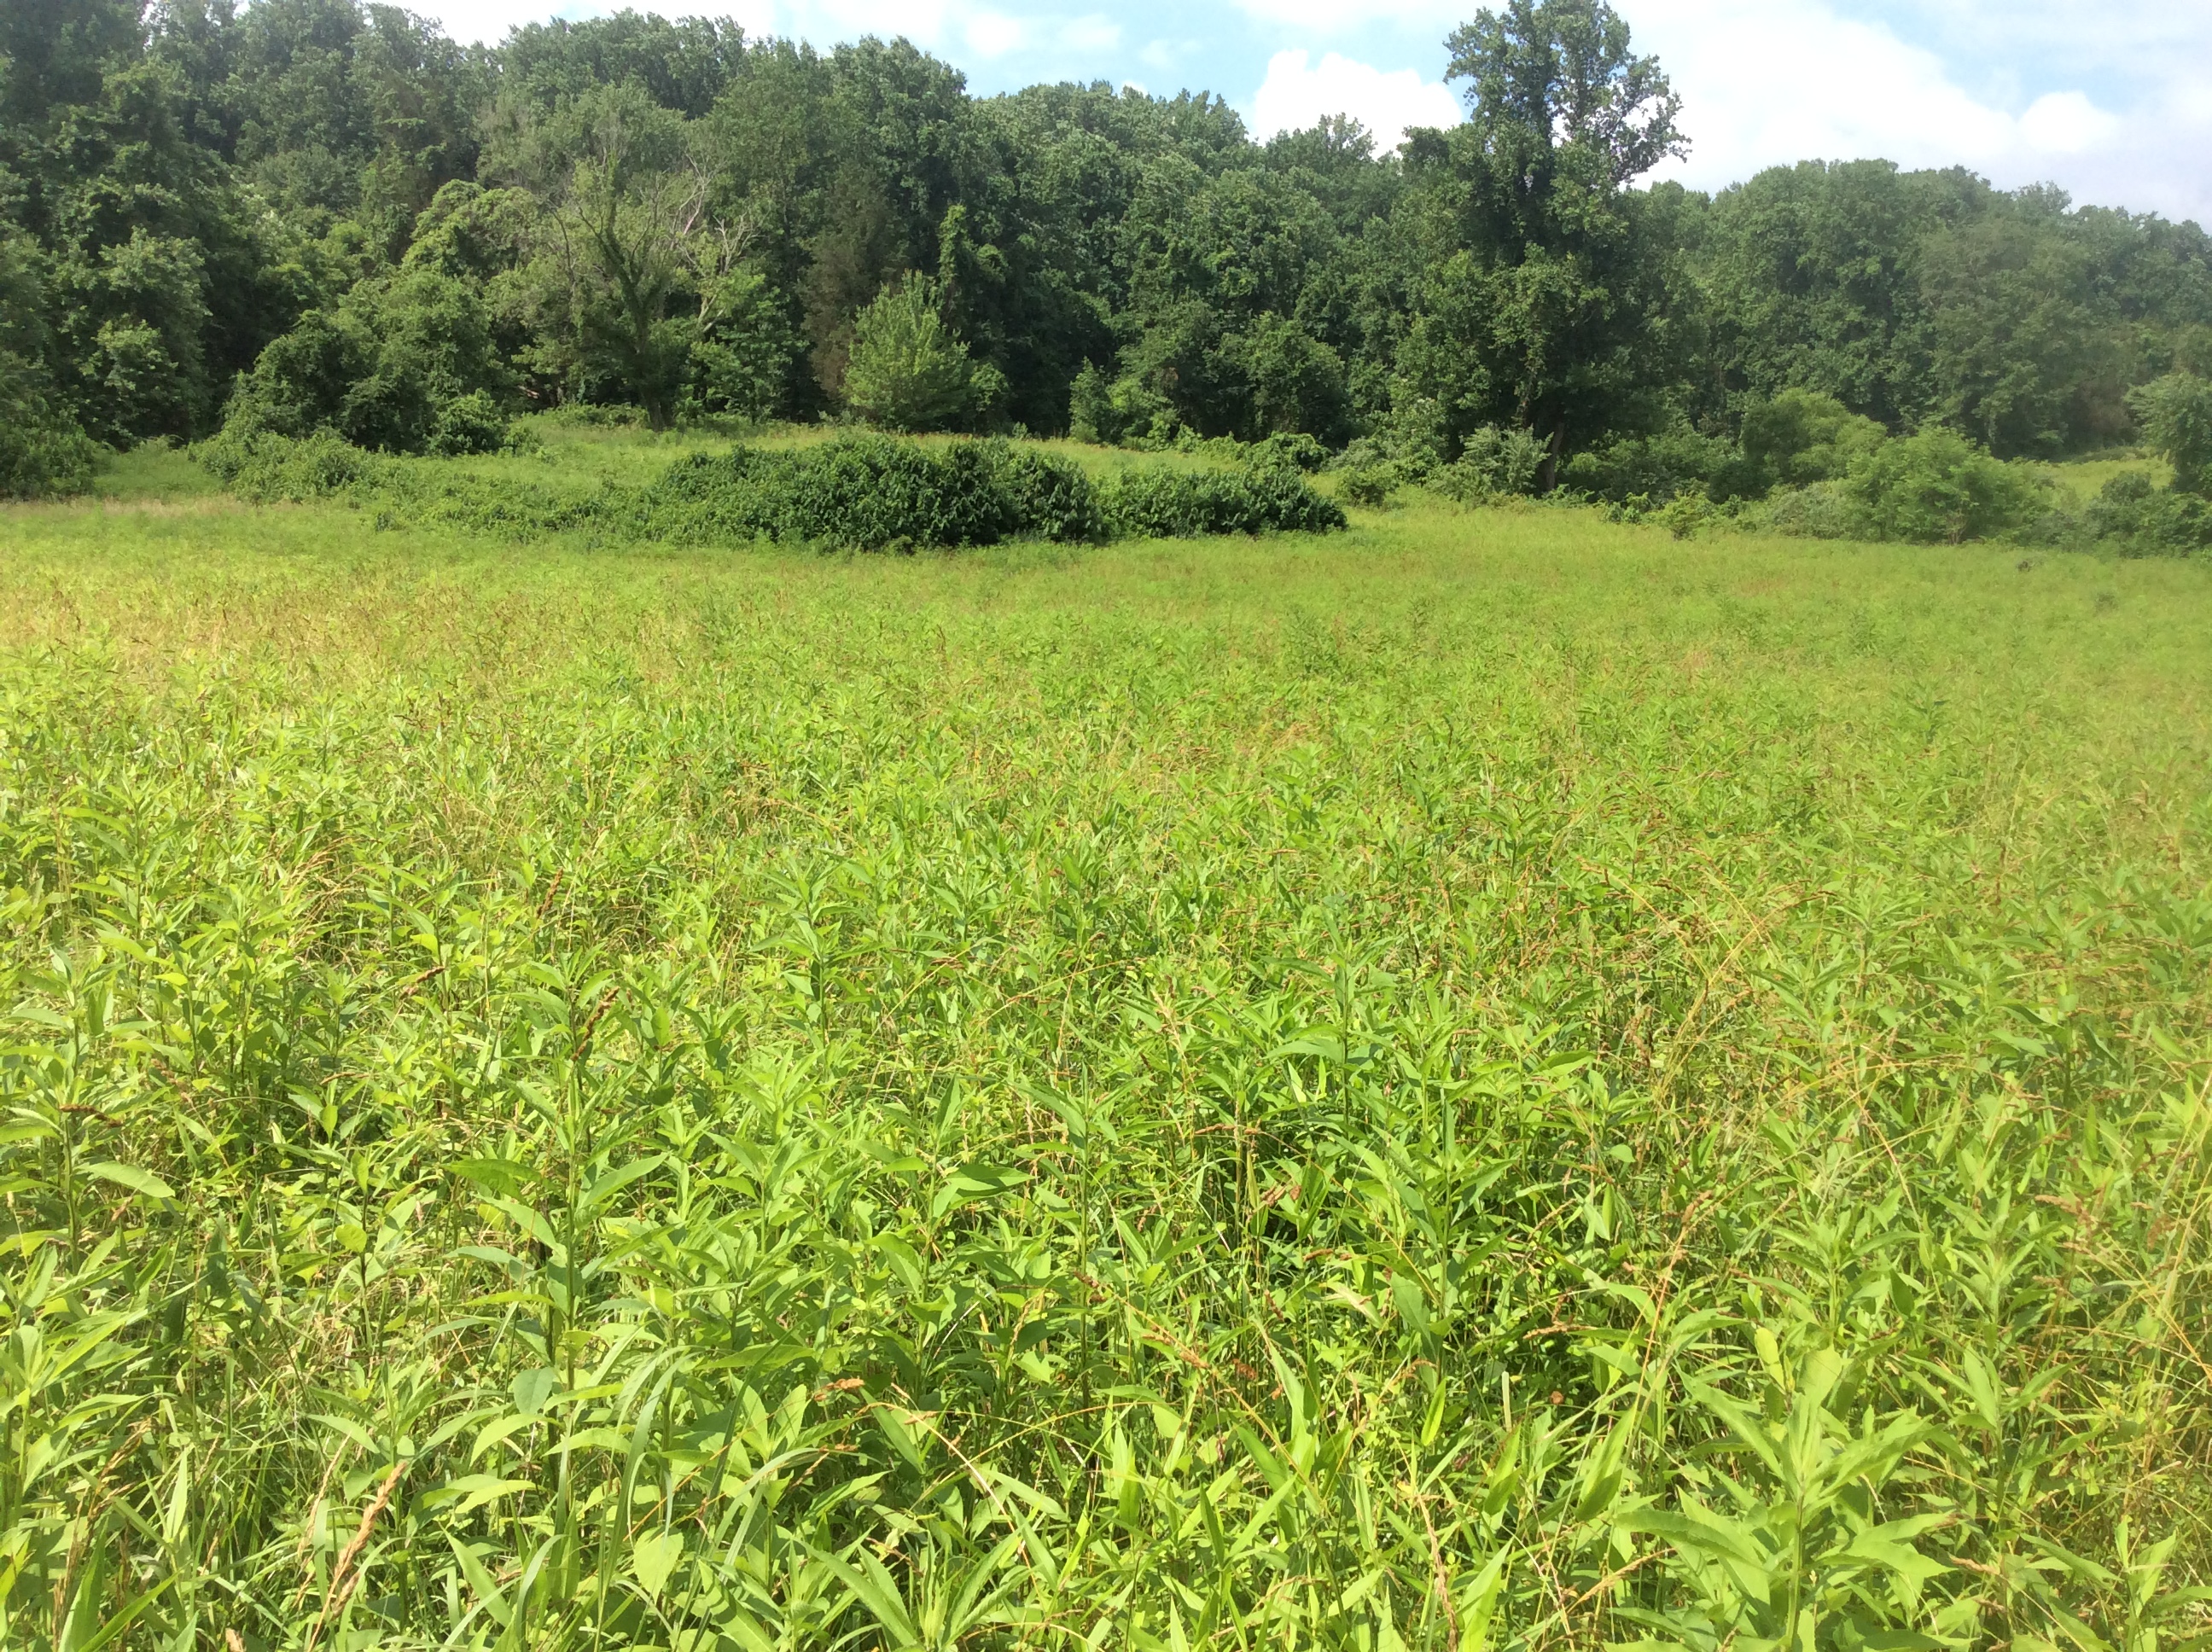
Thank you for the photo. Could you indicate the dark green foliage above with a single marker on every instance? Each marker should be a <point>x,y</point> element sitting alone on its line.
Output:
<point>874,493</point>
<point>1938,488</point>
<point>1800,436</point>
<point>1679,463</point>
<point>43,455</point>
<point>406,364</point>
<point>1159,503</point>
<point>741,358</point>
<point>1543,281</point>
<point>42,451</point>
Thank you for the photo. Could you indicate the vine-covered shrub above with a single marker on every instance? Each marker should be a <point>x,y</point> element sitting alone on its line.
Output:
<point>1165,504</point>
<point>871,492</point>
<point>863,492</point>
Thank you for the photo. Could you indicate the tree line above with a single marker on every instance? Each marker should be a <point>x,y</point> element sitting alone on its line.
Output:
<point>319,215</point>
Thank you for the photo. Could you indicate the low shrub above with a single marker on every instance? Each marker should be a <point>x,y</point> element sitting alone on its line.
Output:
<point>872,492</point>
<point>865,492</point>
<point>2140,519</point>
<point>1938,488</point>
<point>1368,484</point>
<point>1676,463</point>
<point>1819,510</point>
<point>1492,463</point>
<point>265,467</point>
<point>1164,504</point>
<point>43,455</point>
<point>1799,437</point>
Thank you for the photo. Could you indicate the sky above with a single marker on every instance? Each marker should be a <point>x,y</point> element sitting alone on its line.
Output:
<point>2113,102</point>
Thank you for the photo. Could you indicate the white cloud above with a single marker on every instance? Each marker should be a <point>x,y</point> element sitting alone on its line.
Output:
<point>1298,93</point>
<point>993,34</point>
<point>2067,122</point>
<point>1768,82</point>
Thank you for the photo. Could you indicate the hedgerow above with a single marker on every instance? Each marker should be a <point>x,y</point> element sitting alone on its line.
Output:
<point>861,492</point>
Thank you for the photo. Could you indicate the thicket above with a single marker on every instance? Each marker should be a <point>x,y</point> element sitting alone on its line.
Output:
<point>673,218</point>
<point>861,491</point>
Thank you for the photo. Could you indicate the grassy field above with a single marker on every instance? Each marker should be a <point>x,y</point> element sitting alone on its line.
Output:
<point>1492,1079</point>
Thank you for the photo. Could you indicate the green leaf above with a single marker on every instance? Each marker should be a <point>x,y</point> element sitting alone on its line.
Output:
<point>973,1181</point>
<point>651,1559</point>
<point>614,1181</point>
<point>128,1175</point>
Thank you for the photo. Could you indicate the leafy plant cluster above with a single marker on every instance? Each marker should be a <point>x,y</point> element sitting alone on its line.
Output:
<point>874,492</point>
<point>680,1104</point>
<point>1806,465</point>
<point>862,491</point>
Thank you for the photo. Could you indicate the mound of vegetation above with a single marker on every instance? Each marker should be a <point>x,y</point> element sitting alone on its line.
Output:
<point>1157,503</point>
<point>873,492</point>
<point>861,492</point>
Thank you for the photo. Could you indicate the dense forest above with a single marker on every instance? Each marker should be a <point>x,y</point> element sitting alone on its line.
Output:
<point>317,214</point>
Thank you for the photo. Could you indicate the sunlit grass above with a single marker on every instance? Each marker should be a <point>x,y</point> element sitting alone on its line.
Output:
<point>1489,1077</point>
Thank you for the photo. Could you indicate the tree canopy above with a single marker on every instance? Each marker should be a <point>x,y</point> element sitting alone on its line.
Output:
<point>315,210</point>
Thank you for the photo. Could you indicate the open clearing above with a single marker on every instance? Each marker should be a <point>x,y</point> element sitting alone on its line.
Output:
<point>1488,1075</point>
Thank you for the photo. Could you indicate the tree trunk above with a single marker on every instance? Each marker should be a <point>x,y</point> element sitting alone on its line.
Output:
<point>1549,475</point>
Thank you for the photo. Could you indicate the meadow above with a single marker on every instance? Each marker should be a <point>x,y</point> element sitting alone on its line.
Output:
<point>1491,1079</point>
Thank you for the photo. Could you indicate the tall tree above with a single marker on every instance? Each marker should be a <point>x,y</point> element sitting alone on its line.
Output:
<point>1544,297</point>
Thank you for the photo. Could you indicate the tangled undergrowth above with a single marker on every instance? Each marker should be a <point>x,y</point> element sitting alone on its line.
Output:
<point>863,492</point>
<point>1128,1099</point>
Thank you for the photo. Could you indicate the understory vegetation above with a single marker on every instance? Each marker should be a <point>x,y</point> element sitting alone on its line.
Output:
<point>1487,1080</point>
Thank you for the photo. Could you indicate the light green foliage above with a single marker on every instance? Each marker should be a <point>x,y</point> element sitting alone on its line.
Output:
<point>1493,462</point>
<point>1498,1082</point>
<point>1938,488</point>
<point>2175,416</point>
<point>1801,436</point>
<point>910,371</point>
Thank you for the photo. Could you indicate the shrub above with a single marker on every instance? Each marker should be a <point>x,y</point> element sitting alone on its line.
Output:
<point>1938,488</point>
<point>1046,495</point>
<point>1368,484</point>
<point>1801,437</point>
<point>264,466</point>
<point>406,364</point>
<point>1413,436</point>
<point>1661,467</point>
<point>1492,463</point>
<point>2175,416</point>
<point>1160,503</point>
<point>908,371</point>
<point>1821,510</point>
<point>873,492</point>
<point>1292,447</point>
<point>2139,520</point>
<point>43,455</point>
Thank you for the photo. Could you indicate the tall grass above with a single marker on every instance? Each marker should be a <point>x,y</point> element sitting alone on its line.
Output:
<point>1495,1080</point>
